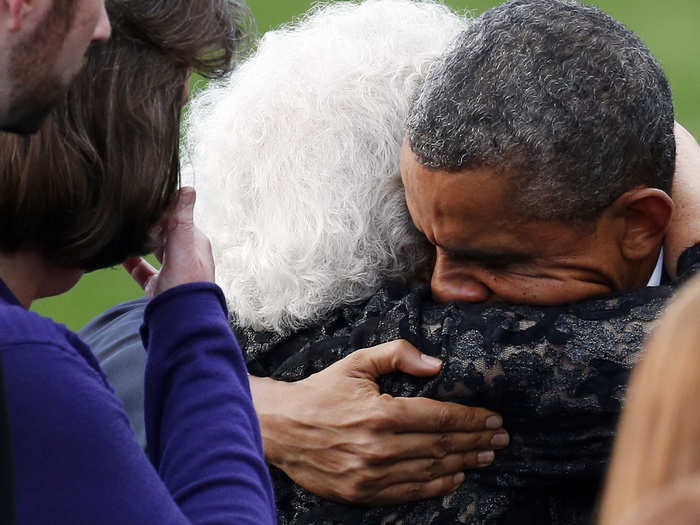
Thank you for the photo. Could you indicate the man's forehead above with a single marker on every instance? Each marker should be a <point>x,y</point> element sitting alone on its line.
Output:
<point>474,214</point>
<point>472,194</point>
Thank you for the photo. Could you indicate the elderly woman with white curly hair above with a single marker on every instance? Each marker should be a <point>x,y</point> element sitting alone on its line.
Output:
<point>296,163</point>
<point>295,159</point>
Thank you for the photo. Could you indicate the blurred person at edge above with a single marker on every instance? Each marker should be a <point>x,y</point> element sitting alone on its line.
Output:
<point>658,440</point>
<point>42,48</point>
<point>318,113</point>
<point>81,194</point>
<point>674,503</point>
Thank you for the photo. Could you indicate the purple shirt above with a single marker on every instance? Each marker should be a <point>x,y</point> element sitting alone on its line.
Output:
<point>75,457</point>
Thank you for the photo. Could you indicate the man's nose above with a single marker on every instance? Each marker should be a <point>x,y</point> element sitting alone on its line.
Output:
<point>458,287</point>
<point>103,29</point>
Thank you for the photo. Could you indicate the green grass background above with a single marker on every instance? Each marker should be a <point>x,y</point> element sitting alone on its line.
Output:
<point>669,28</point>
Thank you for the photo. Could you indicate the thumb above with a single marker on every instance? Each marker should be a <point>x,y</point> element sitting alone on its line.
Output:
<point>399,355</point>
<point>183,214</point>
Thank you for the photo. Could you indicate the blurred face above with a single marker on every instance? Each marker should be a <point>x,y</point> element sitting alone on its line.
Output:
<point>485,252</point>
<point>44,62</point>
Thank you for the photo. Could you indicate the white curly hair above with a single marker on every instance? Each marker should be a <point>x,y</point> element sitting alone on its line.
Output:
<point>295,159</point>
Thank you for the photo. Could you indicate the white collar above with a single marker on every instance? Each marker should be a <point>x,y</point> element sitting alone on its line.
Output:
<point>655,279</point>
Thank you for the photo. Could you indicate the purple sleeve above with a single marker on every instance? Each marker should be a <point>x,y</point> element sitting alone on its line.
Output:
<point>75,456</point>
<point>202,431</point>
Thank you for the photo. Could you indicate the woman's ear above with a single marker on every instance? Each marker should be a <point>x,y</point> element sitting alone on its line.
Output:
<point>647,214</point>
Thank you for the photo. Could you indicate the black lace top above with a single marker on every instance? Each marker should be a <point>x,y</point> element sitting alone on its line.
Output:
<point>556,374</point>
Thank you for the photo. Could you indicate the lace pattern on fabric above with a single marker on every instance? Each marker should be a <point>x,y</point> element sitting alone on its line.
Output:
<point>556,374</point>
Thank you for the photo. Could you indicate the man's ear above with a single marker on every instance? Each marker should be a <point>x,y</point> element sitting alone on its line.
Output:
<point>647,213</point>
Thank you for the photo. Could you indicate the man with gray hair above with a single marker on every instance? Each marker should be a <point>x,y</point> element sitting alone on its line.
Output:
<point>539,157</point>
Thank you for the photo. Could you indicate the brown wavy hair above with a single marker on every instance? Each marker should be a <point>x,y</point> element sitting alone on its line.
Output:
<point>658,441</point>
<point>103,169</point>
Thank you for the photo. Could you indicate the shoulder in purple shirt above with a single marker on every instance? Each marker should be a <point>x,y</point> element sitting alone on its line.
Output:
<point>75,456</point>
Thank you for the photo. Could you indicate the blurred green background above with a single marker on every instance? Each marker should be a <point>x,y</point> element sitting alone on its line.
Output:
<point>670,29</point>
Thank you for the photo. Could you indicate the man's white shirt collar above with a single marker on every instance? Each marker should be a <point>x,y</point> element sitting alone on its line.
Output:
<point>655,279</point>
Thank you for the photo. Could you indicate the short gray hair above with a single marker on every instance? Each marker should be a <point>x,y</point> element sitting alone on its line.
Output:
<point>558,95</point>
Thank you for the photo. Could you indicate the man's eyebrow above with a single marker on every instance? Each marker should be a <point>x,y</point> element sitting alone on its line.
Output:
<point>486,256</point>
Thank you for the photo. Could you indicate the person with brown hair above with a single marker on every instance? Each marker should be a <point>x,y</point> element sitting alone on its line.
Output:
<point>105,167</point>
<point>42,44</point>
<point>82,194</point>
<point>658,438</point>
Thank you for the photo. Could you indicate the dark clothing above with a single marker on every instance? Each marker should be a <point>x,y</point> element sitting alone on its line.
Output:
<point>557,374</point>
<point>75,457</point>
